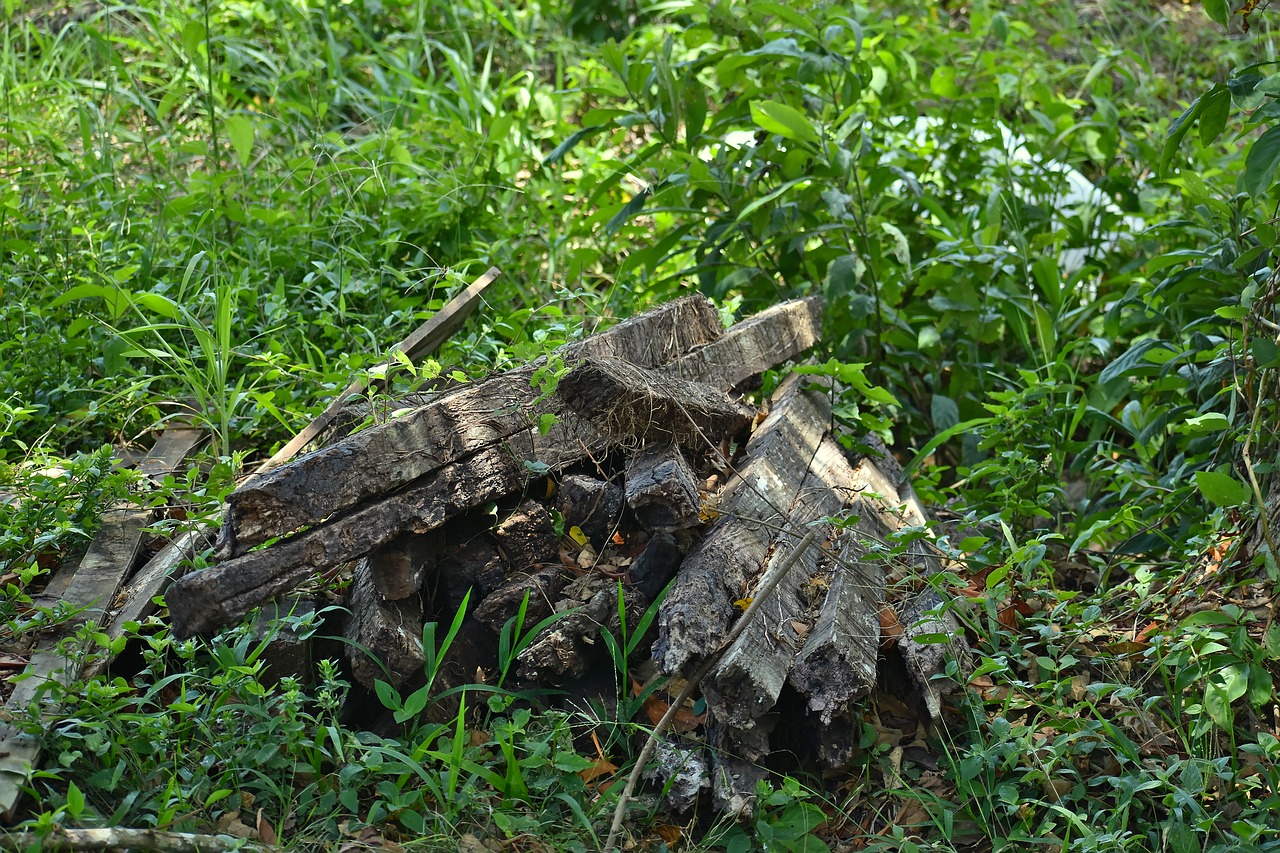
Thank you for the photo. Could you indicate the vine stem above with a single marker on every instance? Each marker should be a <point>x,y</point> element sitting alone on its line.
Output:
<point>762,595</point>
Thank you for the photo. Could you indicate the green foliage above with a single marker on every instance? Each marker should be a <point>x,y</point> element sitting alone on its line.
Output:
<point>232,209</point>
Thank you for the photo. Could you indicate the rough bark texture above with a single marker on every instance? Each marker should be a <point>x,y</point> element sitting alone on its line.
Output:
<point>753,507</point>
<point>931,635</point>
<point>399,567</point>
<point>662,490</point>
<point>389,630</point>
<point>768,338</point>
<point>373,462</point>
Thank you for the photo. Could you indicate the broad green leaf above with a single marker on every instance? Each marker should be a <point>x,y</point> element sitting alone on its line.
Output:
<point>784,120</point>
<point>1222,489</point>
<point>193,36</point>
<point>1212,422</point>
<point>1261,162</point>
<point>630,209</point>
<point>240,132</point>
<point>944,412</point>
<point>1218,10</point>
<point>943,82</point>
<point>1214,118</point>
<point>1181,125</point>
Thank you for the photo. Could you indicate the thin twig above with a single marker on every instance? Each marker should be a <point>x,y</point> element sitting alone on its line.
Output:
<point>651,743</point>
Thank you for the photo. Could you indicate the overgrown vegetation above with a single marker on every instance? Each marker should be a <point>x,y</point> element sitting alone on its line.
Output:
<point>232,208</point>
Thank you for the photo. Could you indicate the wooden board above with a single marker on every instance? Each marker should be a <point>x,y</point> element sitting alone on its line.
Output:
<point>458,423</point>
<point>92,587</point>
<point>753,507</point>
<point>170,449</point>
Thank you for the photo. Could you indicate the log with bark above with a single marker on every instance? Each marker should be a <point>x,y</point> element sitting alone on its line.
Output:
<point>633,506</point>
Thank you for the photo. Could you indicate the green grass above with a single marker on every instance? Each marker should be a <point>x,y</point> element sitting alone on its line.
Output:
<point>233,208</point>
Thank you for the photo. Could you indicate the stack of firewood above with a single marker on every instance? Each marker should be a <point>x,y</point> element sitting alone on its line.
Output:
<point>627,464</point>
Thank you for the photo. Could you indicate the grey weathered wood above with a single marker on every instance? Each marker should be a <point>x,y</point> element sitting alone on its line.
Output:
<point>635,405</point>
<point>756,344</point>
<point>217,596</point>
<point>287,653</point>
<point>661,489</point>
<point>746,683</point>
<point>573,643</point>
<point>399,567</point>
<point>173,445</point>
<point>837,665</point>
<point>543,588</point>
<point>385,636</point>
<point>91,589</point>
<point>754,505</point>
<point>378,460</point>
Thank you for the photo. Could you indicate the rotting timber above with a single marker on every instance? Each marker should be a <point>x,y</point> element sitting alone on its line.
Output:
<point>642,469</point>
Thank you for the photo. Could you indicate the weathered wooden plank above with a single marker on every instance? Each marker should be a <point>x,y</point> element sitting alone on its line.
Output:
<point>756,344</point>
<point>173,445</point>
<point>464,421</point>
<point>386,636</point>
<point>217,596</point>
<point>91,589</point>
<point>746,683</point>
<point>661,489</point>
<point>837,665</point>
<point>754,505</point>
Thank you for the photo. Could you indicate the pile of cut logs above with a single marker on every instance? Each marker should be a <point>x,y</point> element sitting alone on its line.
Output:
<point>627,464</point>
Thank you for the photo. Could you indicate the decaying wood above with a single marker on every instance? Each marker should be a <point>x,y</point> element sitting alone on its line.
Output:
<point>837,665</point>
<point>91,590</point>
<point>656,565</point>
<point>573,643</point>
<point>632,405</point>
<point>423,340</point>
<point>340,476</point>
<point>473,566</point>
<point>60,839</point>
<point>172,446</point>
<point>753,507</point>
<point>287,653</point>
<point>661,489</point>
<point>527,537</point>
<point>931,636</point>
<point>209,599</point>
<point>747,682</point>
<point>399,567</point>
<point>385,636</point>
<point>759,342</point>
<point>591,505</point>
<point>683,771</point>
<point>543,589</point>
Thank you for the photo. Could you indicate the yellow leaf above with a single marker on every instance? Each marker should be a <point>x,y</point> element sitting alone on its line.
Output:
<point>743,603</point>
<point>576,534</point>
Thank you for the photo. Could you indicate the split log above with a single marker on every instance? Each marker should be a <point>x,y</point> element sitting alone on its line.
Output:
<point>753,507</point>
<point>656,565</point>
<point>775,335</point>
<point>399,567</point>
<point>385,636</point>
<point>662,490</point>
<point>749,678</point>
<point>209,599</point>
<point>593,506</point>
<point>464,421</point>
<point>573,643</point>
